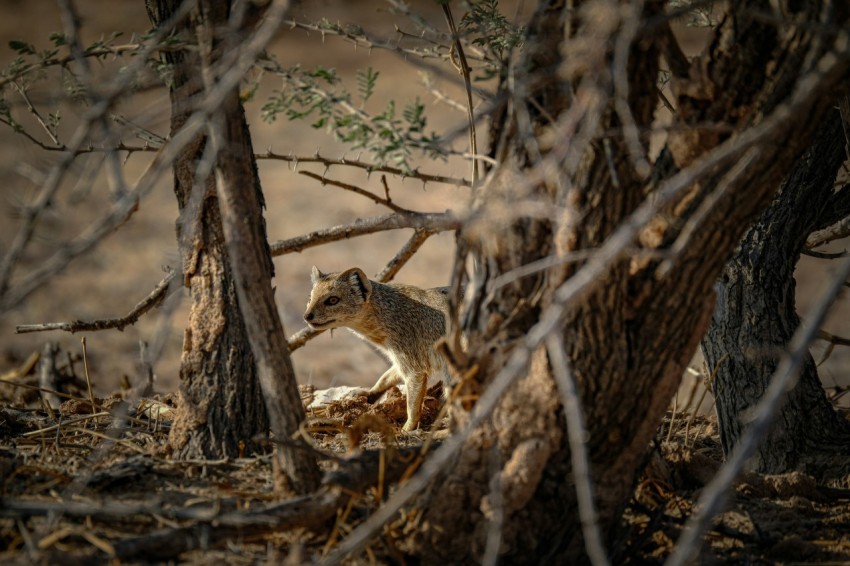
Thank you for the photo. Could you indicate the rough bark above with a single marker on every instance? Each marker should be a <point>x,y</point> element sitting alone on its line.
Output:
<point>221,403</point>
<point>630,340</point>
<point>241,201</point>
<point>755,318</point>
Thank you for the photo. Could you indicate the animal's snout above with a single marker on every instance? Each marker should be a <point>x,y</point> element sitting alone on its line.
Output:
<point>308,316</point>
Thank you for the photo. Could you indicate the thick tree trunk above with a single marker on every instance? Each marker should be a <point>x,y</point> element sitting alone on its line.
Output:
<point>755,318</point>
<point>631,338</point>
<point>221,404</point>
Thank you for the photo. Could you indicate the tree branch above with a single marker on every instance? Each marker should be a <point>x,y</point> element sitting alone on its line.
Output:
<point>435,221</point>
<point>368,167</point>
<point>357,190</point>
<point>154,299</point>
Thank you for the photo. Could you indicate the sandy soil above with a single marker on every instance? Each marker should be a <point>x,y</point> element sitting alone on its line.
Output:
<point>126,267</point>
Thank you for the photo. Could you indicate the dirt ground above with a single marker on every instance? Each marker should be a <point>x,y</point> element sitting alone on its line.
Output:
<point>769,521</point>
<point>72,493</point>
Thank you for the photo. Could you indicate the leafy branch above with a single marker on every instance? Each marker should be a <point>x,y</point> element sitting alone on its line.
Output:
<point>318,94</point>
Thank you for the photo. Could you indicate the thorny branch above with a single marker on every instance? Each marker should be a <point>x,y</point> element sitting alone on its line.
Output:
<point>357,190</point>
<point>368,167</point>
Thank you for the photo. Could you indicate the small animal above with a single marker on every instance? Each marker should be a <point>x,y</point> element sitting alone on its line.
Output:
<point>403,321</point>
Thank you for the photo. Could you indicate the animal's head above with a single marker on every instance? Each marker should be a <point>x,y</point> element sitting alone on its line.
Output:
<point>337,299</point>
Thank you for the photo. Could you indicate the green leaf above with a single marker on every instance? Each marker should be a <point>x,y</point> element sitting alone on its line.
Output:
<point>22,47</point>
<point>366,81</point>
<point>58,39</point>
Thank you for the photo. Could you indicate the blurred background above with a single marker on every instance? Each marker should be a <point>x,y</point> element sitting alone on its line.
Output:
<point>127,265</point>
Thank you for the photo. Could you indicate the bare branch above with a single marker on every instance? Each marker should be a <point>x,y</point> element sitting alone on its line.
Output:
<point>357,190</point>
<point>576,434</point>
<point>463,68</point>
<point>837,231</point>
<point>57,174</point>
<point>622,48</point>
<point>153,300</point>
<point>419,237</point>
<point>824,255</point>
<point>32,109</point>
<point>436,221</point>
<point>833,339</point>
<point>368,167</point>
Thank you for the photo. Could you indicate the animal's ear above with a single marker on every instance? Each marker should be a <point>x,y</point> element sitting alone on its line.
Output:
<point>316,275</point>
<point>359,281</point>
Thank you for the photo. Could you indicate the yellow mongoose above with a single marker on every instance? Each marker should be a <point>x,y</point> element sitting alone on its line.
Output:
<point>403,321</point>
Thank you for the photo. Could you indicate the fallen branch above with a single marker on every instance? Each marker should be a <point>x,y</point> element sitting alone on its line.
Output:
<point>151,301</point>
<point>211,527</point>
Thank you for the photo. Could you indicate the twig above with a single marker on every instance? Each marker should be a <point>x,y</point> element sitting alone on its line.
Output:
<point>576,433</point>
<point>211,525</point>
<point>832,338</point>
<point>357,190</point>
<point>436,221</point>
<point>360,39</point>
<point>32,109</point>
<point>837,231</point>
<point>88,378</point>
<point>824,255</point>
<point>714,495</point>
<point>64,424</point>
<point>153,300</point>
<point>54,180</point>
<point>410,247</point>
<point>622,50</point>
<point>463,67</point>
<point>368,167</point>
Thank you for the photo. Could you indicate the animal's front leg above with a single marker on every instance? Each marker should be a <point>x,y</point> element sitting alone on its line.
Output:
<point>416,388</point>
<point>391,377</point>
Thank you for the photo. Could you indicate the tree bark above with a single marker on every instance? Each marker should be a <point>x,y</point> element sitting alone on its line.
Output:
<point>631,338</point>
<point>241,202</point>
<point>221,404</point>
<point>756,316</point>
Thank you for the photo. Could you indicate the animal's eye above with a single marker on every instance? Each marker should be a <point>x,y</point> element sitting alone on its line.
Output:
<point>331,301</point>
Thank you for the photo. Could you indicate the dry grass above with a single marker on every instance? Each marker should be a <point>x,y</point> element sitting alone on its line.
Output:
<point>78,485</point>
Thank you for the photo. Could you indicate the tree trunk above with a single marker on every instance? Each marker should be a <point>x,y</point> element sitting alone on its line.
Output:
<point>221,403</point>
<point>631,337</point>
<point>241,200</point>
<point>755,318</point>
